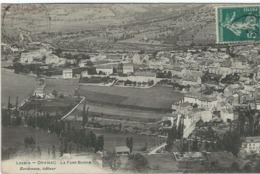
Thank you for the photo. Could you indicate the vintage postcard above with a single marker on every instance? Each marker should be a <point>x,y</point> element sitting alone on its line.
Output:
<point>133,88</point>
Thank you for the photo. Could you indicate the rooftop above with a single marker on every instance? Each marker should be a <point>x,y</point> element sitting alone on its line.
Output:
<point>121,149</point>
<point>252,139</point>
<point>68,70</point>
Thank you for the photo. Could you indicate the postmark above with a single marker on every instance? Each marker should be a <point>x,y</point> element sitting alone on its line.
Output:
<point>23,22</point>
<point>238,24</point>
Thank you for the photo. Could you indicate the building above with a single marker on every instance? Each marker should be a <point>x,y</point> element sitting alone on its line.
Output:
<point>145,73</point>
<point>137,59</point>
<point>191,80</point>
<point>39,92</point>
<point>67,73</point>
<point>176,71</point>
<point>105,69</point>
<point>122,150</point>
<point>53,59</point>
<point>227,114</point>
<point>251,144</point>
<point>200,100</point>
<point>26,58</point>
<point>128,69</point>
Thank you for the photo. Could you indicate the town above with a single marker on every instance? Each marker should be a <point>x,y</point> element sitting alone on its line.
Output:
<point>192,107</point>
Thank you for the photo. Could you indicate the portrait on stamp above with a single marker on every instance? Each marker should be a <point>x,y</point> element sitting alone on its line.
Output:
<point>238,24</point>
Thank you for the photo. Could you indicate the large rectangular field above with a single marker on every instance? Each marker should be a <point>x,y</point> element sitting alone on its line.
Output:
<point>155,98</point>
<point>65,86</point>
<point>14,137</point>
<point>115,112</point>
<point>113,139</point>
<point>16,85</point>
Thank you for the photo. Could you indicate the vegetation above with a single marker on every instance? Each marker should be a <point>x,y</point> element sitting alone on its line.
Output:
<point>230,79</point>
<point>112,161</point>
<point>172,135</point>
<point>137,163</point>
<point>130,143</point>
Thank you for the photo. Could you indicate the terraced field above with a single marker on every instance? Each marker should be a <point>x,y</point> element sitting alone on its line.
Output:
<point>155,98</point>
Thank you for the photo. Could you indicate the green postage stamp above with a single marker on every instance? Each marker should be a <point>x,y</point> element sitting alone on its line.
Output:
<point>238,24</point>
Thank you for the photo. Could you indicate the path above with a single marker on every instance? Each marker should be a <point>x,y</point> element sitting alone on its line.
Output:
<point>156,149</point>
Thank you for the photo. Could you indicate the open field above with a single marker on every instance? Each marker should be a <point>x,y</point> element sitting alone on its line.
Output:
<point>52,106</point>
<point>14,137</point>
<point>155,98</point>
<point>67,87</point>
<point>14,85</point>
<point>113,139</point>
<point>118,113</point>
<point>163,163</point>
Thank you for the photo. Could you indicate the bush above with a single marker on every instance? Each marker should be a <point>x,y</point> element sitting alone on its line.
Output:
<point>137,163</point>
<point>54,93</point>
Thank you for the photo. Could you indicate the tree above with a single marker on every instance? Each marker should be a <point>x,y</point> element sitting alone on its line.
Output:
<point>247,168</point>
<point>194,146</point>
<point>100,143</point>
<point>131,143</point>
<point>84,114</point>
<point>93,139</point>
<point>90,63</point>
<point>232,142</point>
<point>58,52</point>
<point>9,103</point>
<point>180,128</point>
<point>29,142</point>
<point>39,153</point>
<point>61,95</point>
<point>257,167</point>
<point>127,142</point>
<point>172,135</point>
<point>17,67</point>
<point>112,160</point>
<point>54,93</point>
<point>207,146</point>
<point>53,152</point>
<point>137,163</point>
<point>16,103</point>
<point>155,53</point>
<point>234,167</point>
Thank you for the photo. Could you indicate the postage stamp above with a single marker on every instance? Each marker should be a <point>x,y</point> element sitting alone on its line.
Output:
<point>238,24</point>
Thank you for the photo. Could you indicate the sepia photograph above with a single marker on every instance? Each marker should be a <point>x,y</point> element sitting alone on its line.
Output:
<point>130,88</point>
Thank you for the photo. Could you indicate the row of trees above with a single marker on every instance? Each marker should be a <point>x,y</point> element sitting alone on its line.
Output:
<point>136,163</point>
<point>173,134</point>
<point>229,141</point>
<point>82,139</point>
<point>216,167</point>
<point>248,122</point>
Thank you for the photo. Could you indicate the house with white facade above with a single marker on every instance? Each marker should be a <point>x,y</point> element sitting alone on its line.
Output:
<point>67,73</point>
<point>39,92</point>
<point>128,68</point>
<point>251,145</point>
<point>137,59</point>
<point>227,114</point>
<point>202,101</point>
<point>26,58</point>
<point>105,69</point>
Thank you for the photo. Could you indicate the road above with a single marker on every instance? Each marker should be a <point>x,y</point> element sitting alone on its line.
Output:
<point>156,149</point>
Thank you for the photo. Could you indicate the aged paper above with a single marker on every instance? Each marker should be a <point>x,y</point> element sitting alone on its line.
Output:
<point>136,88</point>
